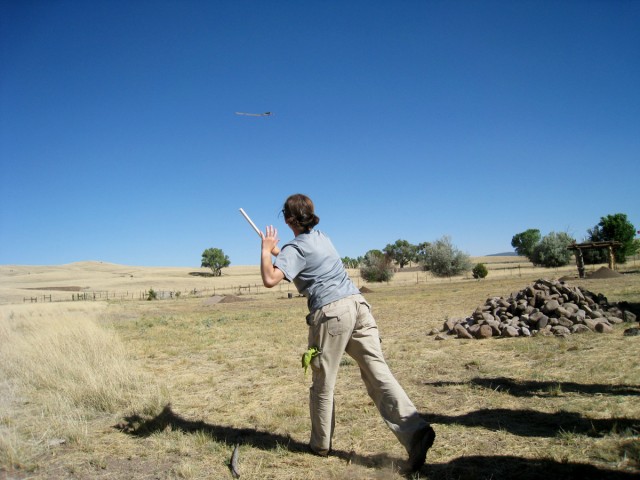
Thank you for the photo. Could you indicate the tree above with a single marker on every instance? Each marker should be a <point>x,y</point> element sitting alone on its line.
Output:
<point>421,254</point>
<point>445,260</point>
<point>349,262</point>
<point>480,271</point>
<point>593,256</point>
<point>376,267</point>
<point>402,252</point>
<point>371,255</point>
<point>525,242</point>
<point>552,250</point>
<point>215,259</point>
<point>615,228</point>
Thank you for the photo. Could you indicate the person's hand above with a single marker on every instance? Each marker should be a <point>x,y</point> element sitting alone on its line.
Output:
<point>270,240</point>
<point>271,275</point>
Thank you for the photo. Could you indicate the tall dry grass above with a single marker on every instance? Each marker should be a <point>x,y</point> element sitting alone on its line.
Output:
<point>60,370</point>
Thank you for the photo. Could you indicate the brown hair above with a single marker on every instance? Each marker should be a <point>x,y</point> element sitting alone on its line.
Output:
<point>299,211</point>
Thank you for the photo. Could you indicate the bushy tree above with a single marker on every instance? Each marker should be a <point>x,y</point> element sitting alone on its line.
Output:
<point>421,254</point>
<point>215,259</point>
<point>525,242</point>
<point>552,250</point>
<point>445,260</point>
<point>594,256</point>
<point>616,228</point>
<point>349,262</point>
<point>376,267</point>
<point>402,252</point>
<point>636,245</point>
<point>480,271</point>
<point>372,254</point>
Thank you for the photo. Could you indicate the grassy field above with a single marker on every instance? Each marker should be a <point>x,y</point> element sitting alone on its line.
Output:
<point>165,389</point>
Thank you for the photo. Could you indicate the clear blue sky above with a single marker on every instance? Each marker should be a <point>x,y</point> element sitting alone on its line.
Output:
<point>400,119</point>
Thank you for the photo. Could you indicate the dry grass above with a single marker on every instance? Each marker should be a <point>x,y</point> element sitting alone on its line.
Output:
<point>61,372</point>
<point>230,374</point>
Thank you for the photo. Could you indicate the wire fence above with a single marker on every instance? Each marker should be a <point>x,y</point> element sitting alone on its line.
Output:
<point>408,276</point>
<point>153,294</point>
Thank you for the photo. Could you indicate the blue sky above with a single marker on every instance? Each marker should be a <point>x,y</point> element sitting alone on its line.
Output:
<point>407,120</point>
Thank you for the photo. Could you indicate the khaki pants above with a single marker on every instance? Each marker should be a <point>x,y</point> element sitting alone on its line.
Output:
<point>348,326</point>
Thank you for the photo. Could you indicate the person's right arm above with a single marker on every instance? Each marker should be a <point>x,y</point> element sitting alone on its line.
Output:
<point>271,275</point>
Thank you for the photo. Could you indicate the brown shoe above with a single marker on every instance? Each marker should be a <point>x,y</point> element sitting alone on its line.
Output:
<point>422,441</point>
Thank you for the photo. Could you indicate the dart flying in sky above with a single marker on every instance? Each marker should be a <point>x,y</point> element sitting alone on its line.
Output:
<point>265,114</point>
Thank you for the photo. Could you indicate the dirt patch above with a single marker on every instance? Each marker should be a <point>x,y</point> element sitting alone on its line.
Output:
<point>366,290</point>
<point>58,289</point>
<point>604,272</point>
<point>223,299</point>
<point>601,274</point>
<point>212,300</point>
<point>232,299</point>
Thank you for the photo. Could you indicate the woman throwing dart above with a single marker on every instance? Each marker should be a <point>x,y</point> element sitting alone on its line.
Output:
<point>339,321</point>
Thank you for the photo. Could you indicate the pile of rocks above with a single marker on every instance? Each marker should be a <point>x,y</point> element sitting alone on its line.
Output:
<point>544,308</point>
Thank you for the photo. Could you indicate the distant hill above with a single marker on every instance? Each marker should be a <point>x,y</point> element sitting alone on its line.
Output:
<point>504,254</point>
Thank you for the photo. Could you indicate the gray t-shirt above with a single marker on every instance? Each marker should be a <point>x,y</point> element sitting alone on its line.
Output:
<point>312,263</point>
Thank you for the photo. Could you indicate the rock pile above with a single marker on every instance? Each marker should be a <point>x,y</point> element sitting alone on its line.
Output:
<point>544,308</point>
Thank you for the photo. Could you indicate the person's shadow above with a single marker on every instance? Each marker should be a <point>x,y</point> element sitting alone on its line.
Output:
<point>168,419</point>
<point>477,467</point>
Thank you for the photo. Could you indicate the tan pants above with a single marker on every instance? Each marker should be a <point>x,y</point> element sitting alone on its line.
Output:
<point>348,326</point>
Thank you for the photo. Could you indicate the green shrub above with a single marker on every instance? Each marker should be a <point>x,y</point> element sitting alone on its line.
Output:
<point>480,271</point>
<point>376,267</point>
<point>552,250</point>
<point>443,259</point>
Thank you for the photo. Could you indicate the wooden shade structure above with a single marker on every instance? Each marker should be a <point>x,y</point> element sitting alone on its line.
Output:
<point>579,247</point>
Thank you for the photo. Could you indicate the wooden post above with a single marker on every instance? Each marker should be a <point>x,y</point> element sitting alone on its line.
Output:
<point>580,262</point>
<point>612,258</point>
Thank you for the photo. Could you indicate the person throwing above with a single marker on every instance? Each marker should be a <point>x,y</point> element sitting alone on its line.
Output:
<point>339,321</point>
